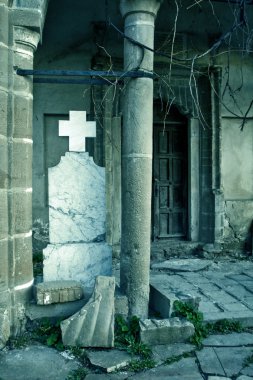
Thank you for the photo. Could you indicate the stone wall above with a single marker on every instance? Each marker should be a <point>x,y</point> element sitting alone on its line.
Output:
<point>19,40</point>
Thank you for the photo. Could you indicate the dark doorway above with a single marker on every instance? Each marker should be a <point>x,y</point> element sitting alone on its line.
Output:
<point>170,205</point>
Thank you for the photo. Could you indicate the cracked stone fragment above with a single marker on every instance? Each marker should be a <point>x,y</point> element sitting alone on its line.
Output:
<point>165,331</point>
<point>93,325</point>
<point>109,361</point>
<point>58,292</point>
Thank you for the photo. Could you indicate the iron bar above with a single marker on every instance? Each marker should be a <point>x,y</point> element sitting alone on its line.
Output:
<point>89,73</point>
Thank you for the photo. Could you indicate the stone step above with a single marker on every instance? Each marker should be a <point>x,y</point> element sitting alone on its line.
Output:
<point>163,296</point>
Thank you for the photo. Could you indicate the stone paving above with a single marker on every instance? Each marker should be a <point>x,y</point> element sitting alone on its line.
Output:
<point>226,291</point>
<point>225,288</point>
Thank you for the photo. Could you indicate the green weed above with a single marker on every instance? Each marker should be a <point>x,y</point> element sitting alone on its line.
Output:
<point>127,337</point>
<point>202,331</point>
<point>224,326</point>
<point>140,365</point>
<point>49,334</point>
<point>78,374</point>
<point>195,317</point>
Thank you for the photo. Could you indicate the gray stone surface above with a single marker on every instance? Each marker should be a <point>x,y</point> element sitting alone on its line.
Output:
<point>162,352</point>
<point>163,294</point>
<point>165,331</point>
<point>234,339</point>
<point>209,362</point>
<point>35,363</point>
<point>118,376</point>
<point>186,369</point>
<point>237,354</point>
<point>218,378</point>
<point>248,370</point>
<point>243,377</point>
<point>223,361</point>
<point>109,361</point>
<point>60,310</point>
<point>93,325</point>
<point>4,327</point>
<point>58,291</point>
<point>121,303</point>
<point>189,265</point>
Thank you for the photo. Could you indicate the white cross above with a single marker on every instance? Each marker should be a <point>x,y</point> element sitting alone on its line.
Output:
<point>77,128</point>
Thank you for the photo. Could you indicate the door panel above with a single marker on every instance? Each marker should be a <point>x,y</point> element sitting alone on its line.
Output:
<point>170,181</point>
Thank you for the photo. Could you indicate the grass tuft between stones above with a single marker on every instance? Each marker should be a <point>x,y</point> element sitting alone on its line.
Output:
<point>202,330</point>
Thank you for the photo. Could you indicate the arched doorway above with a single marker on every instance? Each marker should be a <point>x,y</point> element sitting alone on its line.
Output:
<point>170,174</point>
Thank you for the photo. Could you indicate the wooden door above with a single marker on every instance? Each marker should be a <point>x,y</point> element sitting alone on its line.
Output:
<point>170,181</point>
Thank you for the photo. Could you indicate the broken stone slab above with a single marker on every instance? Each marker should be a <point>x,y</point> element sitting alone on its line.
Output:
<point>163,352</point>
<point>184,369</point>
<point>116,376</point>
<point>218,378</point>
<point>109,361</point>
<point>163,296</point>
<point>4,327</point>
<point>229,340</point>
<point>188,265</point>
<point>58,291</point>
<point>93,325</point>
<point>243,377</point>
<point>165,331</point>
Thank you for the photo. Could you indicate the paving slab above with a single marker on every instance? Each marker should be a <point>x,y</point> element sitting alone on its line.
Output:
<point>184,369</point>
<point>229,340</point>
<point>232,358</point>
<point>35,362</point>
<point>118,376</point>
<point>244,317</point>
<point>248,370</point>
<point>209,362</point>
<point>218,378</point>
<point>162,352</point>
<point>189,265</point>
<point>244,378</point>
<point>109,360</point>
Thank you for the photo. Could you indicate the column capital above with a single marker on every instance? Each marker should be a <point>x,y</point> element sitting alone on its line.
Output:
<point>27,37</point>
<point>139,6</point>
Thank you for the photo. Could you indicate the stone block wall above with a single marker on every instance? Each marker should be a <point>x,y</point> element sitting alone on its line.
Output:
<point>17,47</point>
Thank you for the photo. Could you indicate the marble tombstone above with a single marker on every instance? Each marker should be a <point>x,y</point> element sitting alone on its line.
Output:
<point>77,249</point>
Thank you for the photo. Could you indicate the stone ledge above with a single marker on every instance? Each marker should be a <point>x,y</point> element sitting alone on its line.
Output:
<point>58,291</point>
<point>165,331</point>
<point>163,295</point>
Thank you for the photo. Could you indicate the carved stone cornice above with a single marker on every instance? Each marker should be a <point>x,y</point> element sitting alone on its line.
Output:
<point>139,6</point>
<point>27,37</point>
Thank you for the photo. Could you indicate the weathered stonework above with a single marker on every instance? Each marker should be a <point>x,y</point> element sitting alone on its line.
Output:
<point>165,331</point>
<point>58,291</point>
<point>93,325</point>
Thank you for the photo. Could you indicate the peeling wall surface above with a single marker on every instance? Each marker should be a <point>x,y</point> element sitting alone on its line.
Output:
<point>237,157</point>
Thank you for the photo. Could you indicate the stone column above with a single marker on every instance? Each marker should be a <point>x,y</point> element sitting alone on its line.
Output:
<point>20,174</point>
<point>139,16</point>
